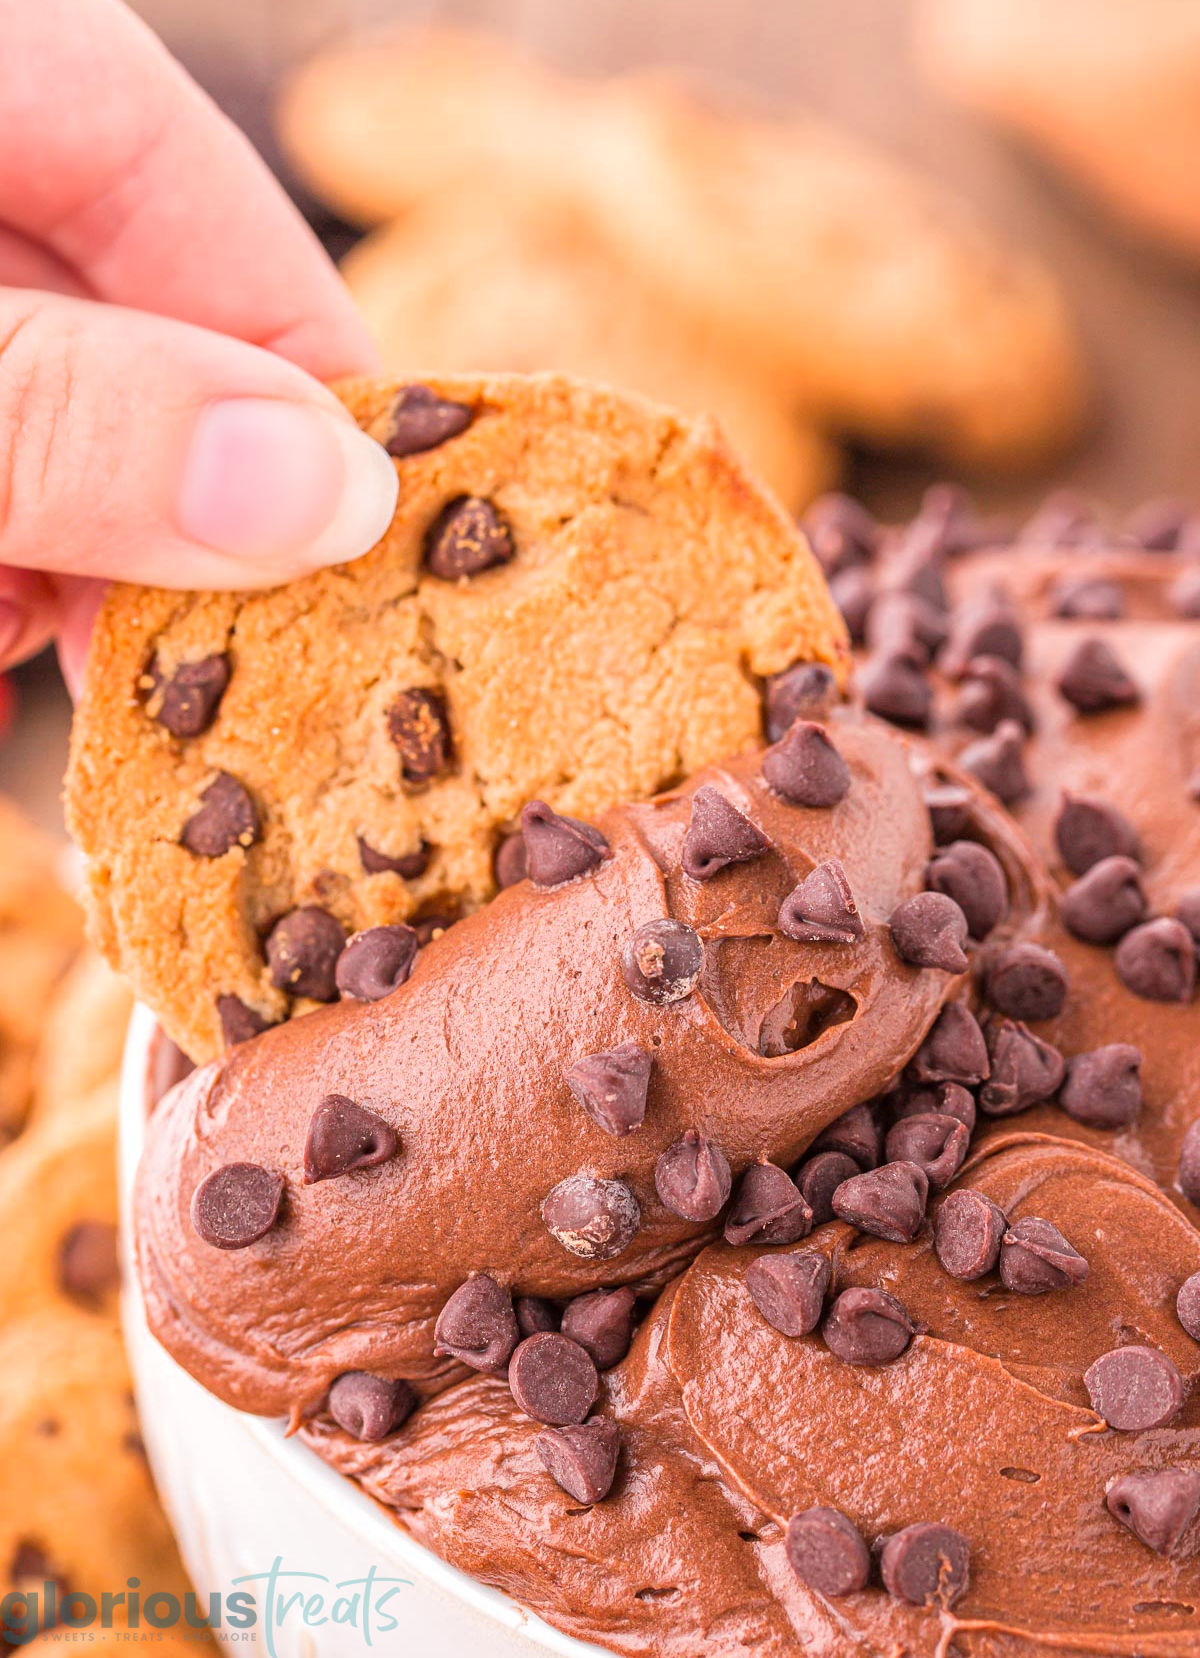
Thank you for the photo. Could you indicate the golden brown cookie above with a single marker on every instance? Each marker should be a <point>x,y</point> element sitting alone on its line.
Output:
<point>83,1037</point>
<point>577,600</point>
<point>477,277</point>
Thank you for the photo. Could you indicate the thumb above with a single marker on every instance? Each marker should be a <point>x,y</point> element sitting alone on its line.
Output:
<point>137,448</point>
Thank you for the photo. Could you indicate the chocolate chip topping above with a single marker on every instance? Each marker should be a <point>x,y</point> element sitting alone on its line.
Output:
<point>582,1458</point>
<point>926,1565</point>
<point>225,818</point>
<point>888,1202</point>
<point>853,591</point>
<point>376,962</point>
<point>817,1178</point>
<point>602,1324</point>
<point>468,535</point>
<point>409,865</point>
<point>1184,594</point>
<point>767,1209</point>
<point>509,863</point>
<point>1189,1163</point>
<point>954,1049</point>
<point>552,1379</point>
<point>822,909</point>
<point>419,729</point>
<point>1025,1070</point>
<point>239,1023</point>
<point>973,877</point>
<point>1187,1305</point>
<point>302,953</point>
<point>840,531</point>
<point>595,1219</point>
<point>370,1407</point>
<point>1027,982</point>
<point>1036,1258</point>
<point>1134,1388</point>
<point>998,762</point>
<point>662,961</point>
<point>867,1326</point>
<point>805,691</point>
<point>985,627</point>
<point>1104,1087</point>
<point>1101,906</point>
<point>1093,679</point>
<point>534,1313</point>
<point>825,1551</point>
<point>967,1231</point>
<point>477,1326</point>
<point>805,767</point>
<point>905,627</point>
<point>946,1099</point>
<point>1158,523</point>
<point>718,835</point>
<point>692,1178</point>
<point>896,689</point>
<point>1064,519</point>
<point>930,930</point>
<point>558,849</point>
<point>1158,1507</point>
<point>190,696</point>
<point>237,1204</point>
<point>949,807</point>
<point>343,1136</point>
<point>422,420</point>
<point>937,1144</point>
<point>1157,961</point>
<point>611,1087</point>
<point>789,1290</point>
<point>1088,830</point>
<point>991,692</point>
<point>1087,598</point>
<point>857,1132</point>
<point>88,1264</point>
<point>1187,910</point>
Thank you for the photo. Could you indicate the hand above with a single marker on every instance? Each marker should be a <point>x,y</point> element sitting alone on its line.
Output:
<point>162,310</point>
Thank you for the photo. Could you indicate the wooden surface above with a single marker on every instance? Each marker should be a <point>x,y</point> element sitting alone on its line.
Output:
<point>1140,315</point>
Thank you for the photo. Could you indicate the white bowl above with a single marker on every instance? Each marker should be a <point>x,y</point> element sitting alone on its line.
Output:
<point>241,1496</point>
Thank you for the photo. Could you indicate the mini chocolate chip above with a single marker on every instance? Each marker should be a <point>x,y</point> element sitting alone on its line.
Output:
<point>1134,1388</point>
<point>692,1178</point>
<point>930,930</point>
<point>468,535</point>
<point>1026,981</point>
<point>1025,1070</point>
<point>805,767</point>
<point>991,692</point>
<point>853,591</point>
<point>237,1204</point>
<point>190,695</point>
<point>409,865</point>
<point>370,1407</point>
<point>1087,830</point>
<point>88,1265</point>
<point>302,952</point>
<point>1189,1164</point>
<point>1158,1507</point>
<point>867,1326</point>
<point>718,835</point>
<point>906,627</point>
<point>419,729</point>
<point>535,1313</point>
<point>1101,906</point>
<point>1087,598</point>
<point>1035,1258</point>
<point>1187,910</point>
<point>553,1379</point>
<point>477,1326</point>
<point>592,1218</point>
<point>887,1202</point>
<point>240,1023</point>
<point>1184,594</point>
<point>937,1144</point>
<point>954,1050</point>
<point>926,1565</point>
<point>1157,961</point>
<point>789,1290</point>
<point>662,961</point>
<point>582,1457</point>
<point>896,689</point>
<point>825,1551</point>
<point>840,531</point>
<point>376,962</point>
<point>857,1132</point>
<point>1104,1087</point>
<point>510,863</point>
<point>602,1323</point>
<point>974,878</point>
<point>1156,524</point>
<point>821,909</point>
<point>422,420</point>
<point>817,1178</point>
<point>558,849</point>
<point>1187,1305</point>
<point>767,1209</point>
<point>805,691</point>
<point>225,818</point>
<point>343,1136</point>
<point>1094,681</point>
<point>945,1099</point>
<point>986,627</point>
<point>967,1232</point>
<point>611,1087</point>
<point>998,762</point>
<point>949,807</point>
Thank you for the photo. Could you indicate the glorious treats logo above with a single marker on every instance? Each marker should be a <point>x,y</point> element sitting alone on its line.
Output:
<point>259,1607</point>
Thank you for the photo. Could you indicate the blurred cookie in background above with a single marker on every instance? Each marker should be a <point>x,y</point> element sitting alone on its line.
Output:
<point>1107,91</point>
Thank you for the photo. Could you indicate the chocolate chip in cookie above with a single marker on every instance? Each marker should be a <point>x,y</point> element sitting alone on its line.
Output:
<point>822,908</point>
<point>189,696</point>
<point>376,962</point>
<point>410,866</point>
<point>239,1023</point>
<point>303,949</point>
<point>226,817</point>
<point>422,420</point>
<point>88,1264</point>
<point>419,728</point>
<point>477,1326</point>
<point>806,768</point>
<point>469,535</point>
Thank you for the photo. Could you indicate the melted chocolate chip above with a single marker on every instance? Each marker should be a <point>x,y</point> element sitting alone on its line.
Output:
<point>1157,961</point>
<point>1101,906</point>
<point>190,696</point>
<point>973,877</point>
<point>419,729</point>
<point>237,1205</point>
<point>422,420</point>
<point>887,1202</point>
<point>582,1458</point>
<point>343,1136</point>
<point>1036,1258</point>
<point>896,689</point>
<point>767,1209</point>
<point>370,1407</point>
<point>239,1023</point>
<point>789,1290</point>
<point>376,962</point>
<point>954,1049</point>
<point>410,866</point>
<point>1094,681</point>
<point>611,1087</point>
<point>822,909</point>
<point>857,1132</point>
<point>558,849</point>
<point>225,818</point>
<point>1158,1507</point>
<point>1134,1388</point>
<point>692,1178</point>
<point>552,1379</point>
<point>1025,1070</point>
<point>926,1565</point>
<point>826,1552</point>
<point>805,767</point>
<point>998,762</point>
<point>1025,981</point>
<point>817,1178</point>
<point>1088,830</point>
<point>662,961</point>
<point>595,1219</point>
<point>468,536</point>
<point>930,930</point>
<point>936,1144</point>
<point>477,1326</point>
<point>302,953</point>
<point>1104,1087</point>
<point>991,692</point>
<point>967,1232</point>
<point>88,1264</point>
<point>805,691</point>
<point>718,835</point>
<point>602,1324</point>
<point>867,1326</point>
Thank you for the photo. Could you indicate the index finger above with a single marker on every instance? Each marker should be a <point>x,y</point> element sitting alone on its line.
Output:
<point>112,158</point>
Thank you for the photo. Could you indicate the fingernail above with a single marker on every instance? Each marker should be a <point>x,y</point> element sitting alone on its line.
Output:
<point>284,485</point>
